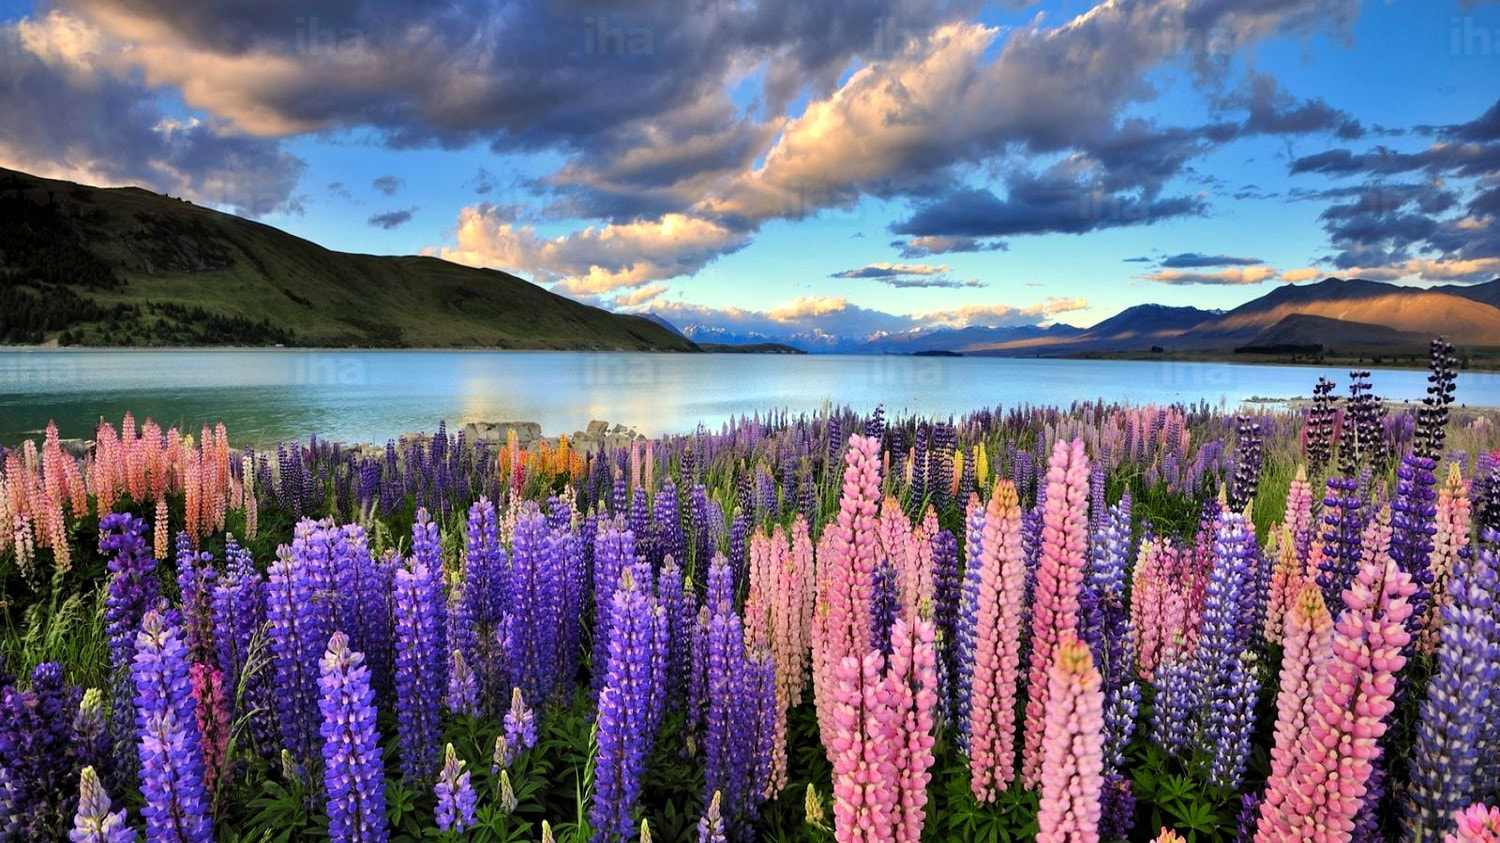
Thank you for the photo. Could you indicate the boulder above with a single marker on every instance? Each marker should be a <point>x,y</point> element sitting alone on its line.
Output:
<point>598,428</point>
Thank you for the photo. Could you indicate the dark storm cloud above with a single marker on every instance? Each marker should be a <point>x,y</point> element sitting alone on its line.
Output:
<point>1040,204</point>
<point>73,120</point>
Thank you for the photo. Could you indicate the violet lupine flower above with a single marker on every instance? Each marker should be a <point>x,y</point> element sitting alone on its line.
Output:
<point>297,624</point>
<point>1413,525</point>
<point>1317,436</point>
<point>974,522</point>
<point>666,526</point>
<point>946,595</point>
<point>1432,416</point>
<point>10,806</point>
<point>1114,653</point>
<point>171,756</point>
<point>627,708</point>
<point>36,739</point>
<point>1249,454</point>
<point>711,825</point>
<point>239,615</point>
<point>353,774</point>
<point>95,822</point>
<point>1223,684</point>
<point>132,584</point>
<point>520,724</point>
<point>703,546</point>
<point>462,696</point>
<point>1363,440</point>
<point>614,552</point>
<point>418,605</point>
<point>1448,756</point>
<point>1172,710</point>
<point>364,589</point>
<point>91,738</point>
<point>456,799</point>
<point>739,542</point>
<point>1341,541</point>
<point>674,591</point>
<point>534,618</point>
<point>195,582</point>
<point>885,603</point>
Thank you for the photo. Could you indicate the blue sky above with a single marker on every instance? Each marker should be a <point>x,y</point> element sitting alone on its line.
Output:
<point>793,171</point>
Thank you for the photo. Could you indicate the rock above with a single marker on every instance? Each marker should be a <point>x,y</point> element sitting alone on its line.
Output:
<point>498,432</point>
<point>598,428</point>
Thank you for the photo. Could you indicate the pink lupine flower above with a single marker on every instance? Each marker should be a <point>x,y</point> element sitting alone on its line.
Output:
<point>1334,759</point>
<point>1287,580</point>
<point>997,646</point>
<point>1476,824</point>
<point>1168,836</point>
<point>841,624</point>
<point>778,616</point>
<point>861,763</point>
<point>1454,527</point>
<point>212,709</point>
<point>908,714</point>
<point>1306,649</point>
<point>1072,768</point>
<point>1059,578</point>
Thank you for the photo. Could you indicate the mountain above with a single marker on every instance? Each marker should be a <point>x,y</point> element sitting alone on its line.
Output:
<point>1137,328</point>
<point>653,317</point>
<point>1303,333</point>
<point>1407,309</point>
<point>1488,292</point>
<point>960,339</point>
<point>124,266</point>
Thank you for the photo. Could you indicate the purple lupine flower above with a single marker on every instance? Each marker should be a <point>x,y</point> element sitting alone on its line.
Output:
<point>1117,804</point>
<point>1318,438</point>
<point>968,617</point>
<point>171,758</point>
<point>195,582</point>
<point>36,744</point>
<point>486,586</point>
<point>1432,416</point>
<point>1248,818</point>
<point>739,542</point>
<point>675,594</point>
<point>1249,454</point>
<point>1224,691</point>
<point>91,738</point>
<point>627,726</point>
<point>946,589</point>
<point>886,602</point>
<point>1362,442</point>
<point>95,822</point>
<point>1341,541</point>
<point>238,607</point>
<point>666,524</point>
<point>1172,711</point>
<point>132,584</point>
<point>418,612</point>
<point>711,824</point>
<point>520,724</point>
<point>569,575</point>
<point>462,696</point>
<point>542,603</point>
<point>353,774</point>
<point>1115,648</point>
<point>364,608</point>
<point>1413,524</point>
<point>614,552</point>
<point>298,623</point>
<point>702,537</point>
<point>1450,748</point>
<point>456,799</point>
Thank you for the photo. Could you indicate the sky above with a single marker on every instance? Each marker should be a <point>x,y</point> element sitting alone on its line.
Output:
<point>796,170</point>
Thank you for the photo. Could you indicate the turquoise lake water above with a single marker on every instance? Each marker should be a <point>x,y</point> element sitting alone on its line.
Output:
<point>370,396</point>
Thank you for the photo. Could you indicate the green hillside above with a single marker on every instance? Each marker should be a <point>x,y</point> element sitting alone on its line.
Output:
<point>123,266</point>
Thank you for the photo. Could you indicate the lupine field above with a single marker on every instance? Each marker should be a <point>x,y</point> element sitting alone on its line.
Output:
<point>1064,624</point>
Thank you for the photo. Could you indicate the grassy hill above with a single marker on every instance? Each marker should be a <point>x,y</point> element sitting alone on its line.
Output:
<point>124,266</point>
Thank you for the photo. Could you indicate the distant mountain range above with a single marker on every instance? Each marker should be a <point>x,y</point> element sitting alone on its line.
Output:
<point>123,266</point>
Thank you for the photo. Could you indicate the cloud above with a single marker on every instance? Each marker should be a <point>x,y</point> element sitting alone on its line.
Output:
<point>1293,276</point>
<point>1470,271</point>
<point>598,260</point>
<point>833,323</point>
<point>392,219</point>
<point>388,184</point>
<point>66,113</point>
<point>891,270</point>
<point>1053,202</point>
<point>1198,260</point>
<point>1231,276</point>
<point>928,245</point>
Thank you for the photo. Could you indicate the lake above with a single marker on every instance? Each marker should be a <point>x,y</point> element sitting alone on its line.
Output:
<point>369,396</point>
